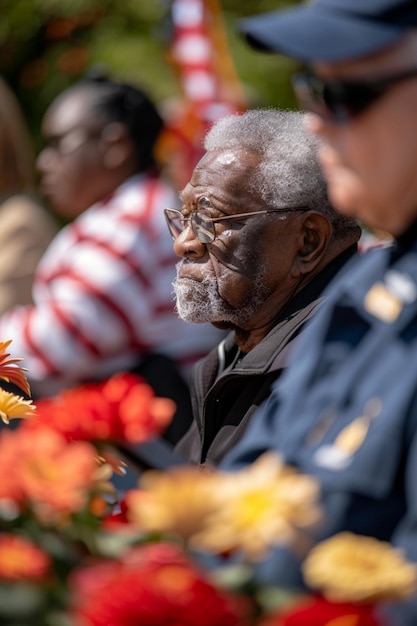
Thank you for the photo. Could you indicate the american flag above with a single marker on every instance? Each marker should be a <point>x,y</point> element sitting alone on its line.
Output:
<point>209,84</point>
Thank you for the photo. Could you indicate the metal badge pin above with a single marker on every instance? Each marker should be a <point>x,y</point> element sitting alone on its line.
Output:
<point>386,300</point>
<point>339,454</point>
<point>382,303</point>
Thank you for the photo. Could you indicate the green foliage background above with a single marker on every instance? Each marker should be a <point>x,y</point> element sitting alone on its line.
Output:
<point>45,45</point>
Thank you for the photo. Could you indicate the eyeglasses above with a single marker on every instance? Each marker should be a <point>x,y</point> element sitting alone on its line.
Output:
<point>341,101</point>
<point>202,224</point>
<point>71,141</point>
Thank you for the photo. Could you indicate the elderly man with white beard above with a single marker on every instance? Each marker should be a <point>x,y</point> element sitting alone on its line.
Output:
<point>259,242</point>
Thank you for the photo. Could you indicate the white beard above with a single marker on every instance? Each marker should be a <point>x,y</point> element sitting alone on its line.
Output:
<point>200,302</point>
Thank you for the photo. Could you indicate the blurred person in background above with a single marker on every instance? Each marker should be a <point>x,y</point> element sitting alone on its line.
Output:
<point>345,412</point>
<point>102,294</point>
<point>26,227</point>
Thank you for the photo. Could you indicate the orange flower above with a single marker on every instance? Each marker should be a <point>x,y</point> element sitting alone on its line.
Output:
<point>20,559</point>
<point>55,475</point>
<point>41,469</point>
<point>11,494</point>
<point>8,369</point>
<point>123,408</point>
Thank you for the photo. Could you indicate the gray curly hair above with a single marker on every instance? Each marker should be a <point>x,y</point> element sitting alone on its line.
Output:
<point>288,173</point>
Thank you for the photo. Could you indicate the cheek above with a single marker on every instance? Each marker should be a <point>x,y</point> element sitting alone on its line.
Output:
<point>70,193</point>
<point>354,164</point>
<point>72,187</point>
<point>87,180</point>
<point>385,177</point>
<point>369,163</point>
<point>234,262</point>
<point>235,289</point>
<point>383,147</point>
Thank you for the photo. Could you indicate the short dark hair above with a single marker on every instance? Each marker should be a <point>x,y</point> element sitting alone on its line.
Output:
<point>117,101</point>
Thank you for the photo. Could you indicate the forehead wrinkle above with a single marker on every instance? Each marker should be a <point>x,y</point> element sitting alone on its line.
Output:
<point>231,189</point>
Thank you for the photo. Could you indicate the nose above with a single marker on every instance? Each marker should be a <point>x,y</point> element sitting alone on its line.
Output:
<point>313,123</point>
<point>44,160</point>
<point>317,125</point>
<point>187,245</point>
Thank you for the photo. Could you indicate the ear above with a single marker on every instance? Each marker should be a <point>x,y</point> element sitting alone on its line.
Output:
<point>116,145</point>
<point>315,235</point>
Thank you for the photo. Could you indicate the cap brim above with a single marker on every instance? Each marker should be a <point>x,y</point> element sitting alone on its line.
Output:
<point>310,34</point>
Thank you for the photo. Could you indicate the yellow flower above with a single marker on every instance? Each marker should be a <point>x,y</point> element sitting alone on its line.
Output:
<point>8,370</point>
<point>12,406</point>
<point>249,510</point>
<point>177,502</point>
<point>353,568</point>
<point>262,505</point>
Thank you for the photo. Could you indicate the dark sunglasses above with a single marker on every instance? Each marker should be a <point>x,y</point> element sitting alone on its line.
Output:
<point>340,101</point>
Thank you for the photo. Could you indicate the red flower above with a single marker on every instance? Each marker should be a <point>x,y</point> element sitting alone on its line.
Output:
<point>150,585</point>
<point>123,408</point>
<point>316,611</point>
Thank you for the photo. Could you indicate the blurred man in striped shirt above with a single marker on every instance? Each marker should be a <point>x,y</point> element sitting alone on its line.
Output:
<point>103,294</point>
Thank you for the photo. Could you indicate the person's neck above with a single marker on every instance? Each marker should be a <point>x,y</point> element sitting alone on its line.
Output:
<point>246,340</point>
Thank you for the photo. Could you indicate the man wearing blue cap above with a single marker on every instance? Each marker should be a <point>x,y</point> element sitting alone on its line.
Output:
<point>346,411</point>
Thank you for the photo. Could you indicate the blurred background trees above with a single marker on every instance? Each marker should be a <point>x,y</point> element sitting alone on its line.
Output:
<point>45,45</point>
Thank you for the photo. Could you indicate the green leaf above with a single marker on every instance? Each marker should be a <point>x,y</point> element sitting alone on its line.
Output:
<point>57,619</point>
<point>271,598</point>
<point>113,545</point>
<point>20,600</point>
<point>234,577</point>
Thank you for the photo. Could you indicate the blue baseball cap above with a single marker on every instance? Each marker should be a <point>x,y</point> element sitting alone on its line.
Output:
<point>331,30</point>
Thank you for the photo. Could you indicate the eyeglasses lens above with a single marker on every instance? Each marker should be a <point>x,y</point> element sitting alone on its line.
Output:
<point>202,226</point>
<point>200,223</point>
<point>174,222</point>
<point>309,94</point>
<point>346,100</point>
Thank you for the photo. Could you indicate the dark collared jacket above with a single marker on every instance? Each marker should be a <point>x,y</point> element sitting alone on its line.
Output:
<point>223,405</point>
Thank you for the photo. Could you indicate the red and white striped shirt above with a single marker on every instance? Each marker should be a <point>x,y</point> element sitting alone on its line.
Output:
<point>103,295</point>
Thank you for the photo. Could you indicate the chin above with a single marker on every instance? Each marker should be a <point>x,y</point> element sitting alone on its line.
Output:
<point>223,325</point>
<point>68,212</point>
<point>344,188</point>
